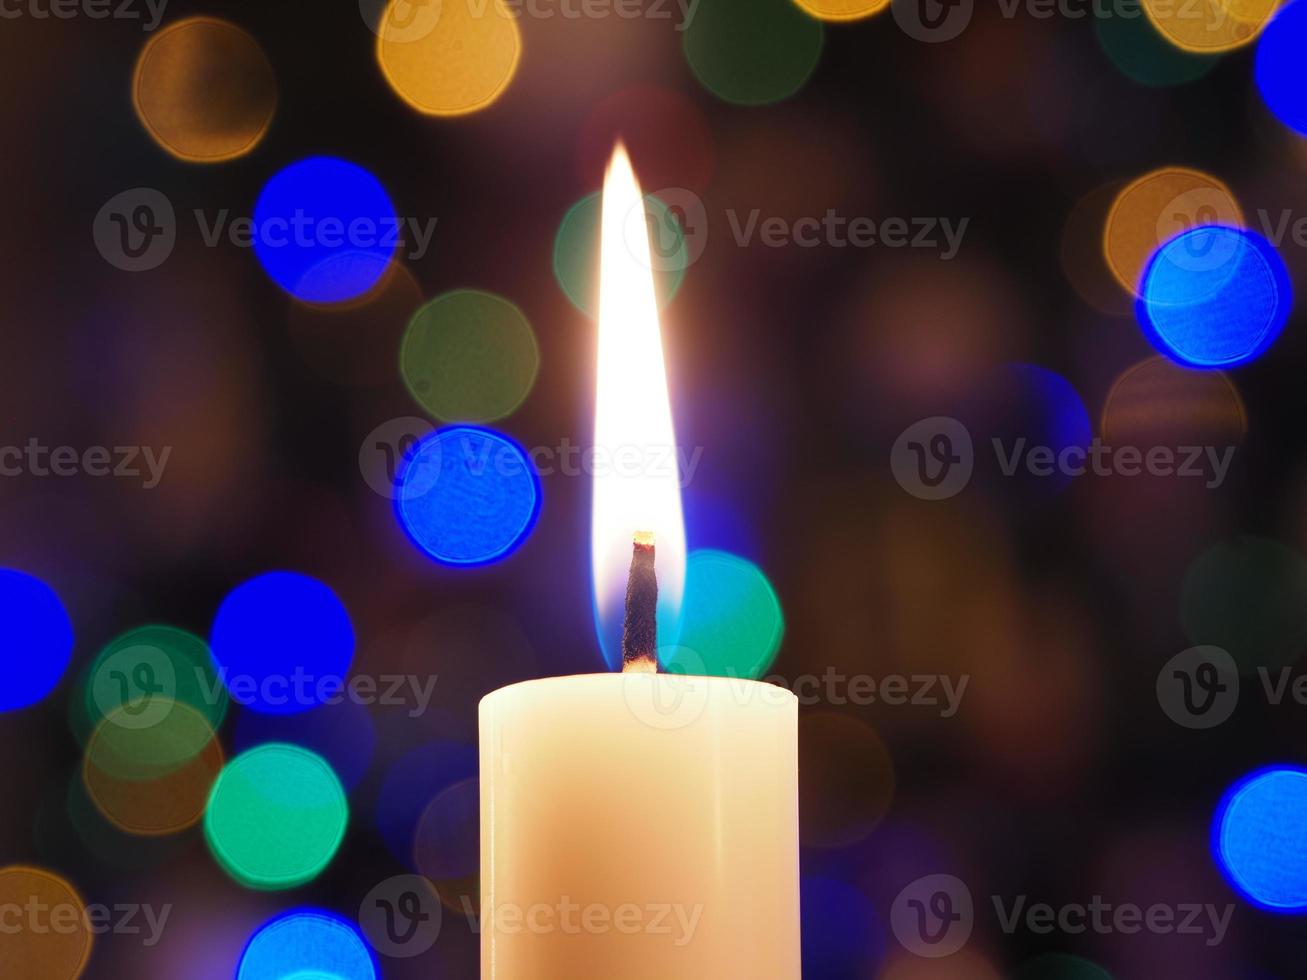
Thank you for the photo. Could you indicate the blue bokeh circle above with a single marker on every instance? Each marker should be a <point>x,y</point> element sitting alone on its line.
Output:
<point>325,230</point>
<point>282,643</point>
<point>467,495</point>
<point>1259,838</point>
<point>36,640</point>
<point>306,943</point>
<point>1278,65</point>
<point>1214,296</point>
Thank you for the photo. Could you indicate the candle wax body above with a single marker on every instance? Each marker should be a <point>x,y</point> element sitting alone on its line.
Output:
<point>639,827</point>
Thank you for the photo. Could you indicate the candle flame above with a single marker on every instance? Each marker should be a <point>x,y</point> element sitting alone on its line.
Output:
<point>637,492</point>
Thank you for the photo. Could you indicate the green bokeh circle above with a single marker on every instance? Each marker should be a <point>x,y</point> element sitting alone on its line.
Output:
<point>140,673</point>
<point>753,52</point>
<point>469,356</point>
<point>576,252</point>
<point>276,816</point>
<point>1142,54</point>
<point>1249,597</point>
<point>120,749</point>
<point>731,619</point>
<point>1059,966</point>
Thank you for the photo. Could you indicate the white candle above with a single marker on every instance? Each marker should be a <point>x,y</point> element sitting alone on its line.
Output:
<point>639,827</point>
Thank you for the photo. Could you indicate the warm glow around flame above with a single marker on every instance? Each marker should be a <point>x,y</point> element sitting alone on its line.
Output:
<point>636,477</point>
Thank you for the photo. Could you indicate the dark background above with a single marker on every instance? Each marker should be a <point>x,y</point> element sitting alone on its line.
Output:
<point>1060,778</point>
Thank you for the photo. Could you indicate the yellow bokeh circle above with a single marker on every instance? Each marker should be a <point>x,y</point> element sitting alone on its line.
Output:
<point>204,90</point>
<point>456,60</point>
<point>1210,26</point>
<point>152,801</point>
<point>46,932</point>
<point>842,10</point>
<point>1153,209</point>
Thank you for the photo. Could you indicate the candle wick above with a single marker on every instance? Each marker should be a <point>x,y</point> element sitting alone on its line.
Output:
<point>640,625</point>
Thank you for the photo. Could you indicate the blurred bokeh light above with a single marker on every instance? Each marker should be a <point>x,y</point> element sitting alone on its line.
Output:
<point>1159,403</point>
<point>282,642</point>
<point>276,817</point>
<point>843,10</point>
<point>469,356</point>
<point>846,778</point>
<point>752,52</point>
<point>150,745</point>
<point>342,733</point>
<point>1215,296</point>
<point>307,943</point>
<point>149,663</point>
<point>841,935</point>
<point>1248,596</point>
<point>1260,840</point>
<point>1279,65</point>
<point>576,251</point>
<point>204,90</point>
<point>36,639</point>
<point>731,618</point>
<point>1145,55</point>
<point>467,496</point>
<point>325,230</point>
<point>1059,966</point>
<point>446,842</point>
<point>411,784</point>
<point>158,799</point>
<point>46,949</point>
<point>1153,209</point>
<point>1210,25</point>
<point>450,59</point>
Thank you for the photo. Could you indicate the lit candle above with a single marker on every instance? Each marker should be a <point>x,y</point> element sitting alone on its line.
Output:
<point>638,825</point>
